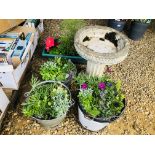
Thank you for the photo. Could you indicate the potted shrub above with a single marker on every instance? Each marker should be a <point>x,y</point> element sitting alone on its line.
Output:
<point>100,101</point>
<point>58,69</point>
<point>48,102</point>
<point>117,24</point>
<point>138,28</point>
<point>64,45</point>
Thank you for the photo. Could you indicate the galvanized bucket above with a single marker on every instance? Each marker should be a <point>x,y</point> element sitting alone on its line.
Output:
<point>53,123</point>
<point>56,121</point>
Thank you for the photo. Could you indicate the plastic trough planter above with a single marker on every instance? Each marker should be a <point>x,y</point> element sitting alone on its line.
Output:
<point>117,25</point>
<point>53,123</point>
<point>95,124</point>
<point>137,30</point>
<point>74,59</point>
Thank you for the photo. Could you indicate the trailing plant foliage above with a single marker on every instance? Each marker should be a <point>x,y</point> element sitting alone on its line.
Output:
<point>46,101</point>
<point>58,70</point>
<point>100,96</point>
<point>68,29</point>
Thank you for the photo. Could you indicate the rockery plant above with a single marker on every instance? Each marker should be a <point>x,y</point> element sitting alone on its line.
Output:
<point>58,69</point>
<point>100,97</point>
<point>47,101</point>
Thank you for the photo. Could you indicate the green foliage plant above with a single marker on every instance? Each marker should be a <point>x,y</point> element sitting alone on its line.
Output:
<point>68,29</point>
<point>100,97</point>
<point>58,69</point>
<point>46,101</point>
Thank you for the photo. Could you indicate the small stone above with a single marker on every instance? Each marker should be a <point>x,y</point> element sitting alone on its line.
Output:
<point>28,121</point>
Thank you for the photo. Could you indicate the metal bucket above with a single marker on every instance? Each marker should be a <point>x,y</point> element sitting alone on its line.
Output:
<point>50,123</point>
<point>56,121</point>
<point>90,124</point>
<point>95,124</point>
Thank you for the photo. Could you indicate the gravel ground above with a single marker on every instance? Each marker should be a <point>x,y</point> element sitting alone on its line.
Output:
<point>137,74</point>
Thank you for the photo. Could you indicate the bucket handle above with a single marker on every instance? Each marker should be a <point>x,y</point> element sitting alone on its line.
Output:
<point>50,81</point>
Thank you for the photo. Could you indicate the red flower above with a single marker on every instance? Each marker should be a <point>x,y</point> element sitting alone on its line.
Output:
<point>49,43</point>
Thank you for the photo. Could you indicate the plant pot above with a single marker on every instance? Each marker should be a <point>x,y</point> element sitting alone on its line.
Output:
<point>74,59</point>
<point>69,80</point>
<point>67,83</point>
<point>94,124</point>
<point>137,30</point>
<point>89,123</point>
<point>50,123</point>
<point>117,25</point>
<point>56,121</point>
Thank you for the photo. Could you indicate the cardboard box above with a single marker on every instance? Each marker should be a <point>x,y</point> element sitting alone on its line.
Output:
<point>4,102</point>
<point>8,92</point>
<point>6,24</point>
<point>10,77</point>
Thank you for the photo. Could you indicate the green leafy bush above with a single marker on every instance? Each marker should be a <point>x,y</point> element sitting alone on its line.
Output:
<point>46,101</point>
<point>58,70</point>
<point>68,29</point>
<point>100,96</point>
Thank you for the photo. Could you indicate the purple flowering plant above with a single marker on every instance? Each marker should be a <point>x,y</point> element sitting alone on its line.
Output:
<point>100,96</point>
<point>84,86</point>
<point>102,86</point>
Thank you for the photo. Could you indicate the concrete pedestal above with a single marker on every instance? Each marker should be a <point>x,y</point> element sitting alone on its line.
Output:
<point>95,69</point>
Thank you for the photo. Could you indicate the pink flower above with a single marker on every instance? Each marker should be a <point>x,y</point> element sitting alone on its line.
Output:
<point>101,85</point>
<point>84,86</point>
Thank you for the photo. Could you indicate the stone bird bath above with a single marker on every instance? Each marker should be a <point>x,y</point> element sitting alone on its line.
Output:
<point>100,46</point>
